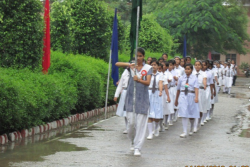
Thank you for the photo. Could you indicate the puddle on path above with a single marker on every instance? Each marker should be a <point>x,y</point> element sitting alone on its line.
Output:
<point>35,147</point>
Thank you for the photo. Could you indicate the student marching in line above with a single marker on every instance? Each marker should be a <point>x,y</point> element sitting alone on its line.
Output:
<point>215,83</point>
<point>122,88</point>
<point>155,99</point>
<point>180,72</point>
<point>209,91</point>
<point>137,123</point>
<point>172,91</point>
<point>166,97</point>
<point>202,80</point>
<point>229,78</point>
<point>224,71</point>
<point>220,75</point>
<point>187,98</point>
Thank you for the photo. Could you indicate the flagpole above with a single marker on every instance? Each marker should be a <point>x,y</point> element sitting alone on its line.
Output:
<point>136,45</point>
<point>107,91</point>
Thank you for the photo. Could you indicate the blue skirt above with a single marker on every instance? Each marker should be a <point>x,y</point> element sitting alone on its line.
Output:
<point>187,107</point>
<point>156,106</point>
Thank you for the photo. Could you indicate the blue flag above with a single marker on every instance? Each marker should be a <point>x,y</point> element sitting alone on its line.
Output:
<point>114,50</point>
<point>185,47</point>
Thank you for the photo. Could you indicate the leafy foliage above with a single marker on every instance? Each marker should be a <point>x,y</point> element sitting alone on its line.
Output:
<point>153,37</point>
<point>76,84</point>
<point>209,25</point>
<point>21,33</point>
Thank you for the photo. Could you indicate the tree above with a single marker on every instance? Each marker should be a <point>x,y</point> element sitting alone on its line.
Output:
<point>209,25</point>
<point>60,26</point>
<point>21,33</point>
<point>152,36</point>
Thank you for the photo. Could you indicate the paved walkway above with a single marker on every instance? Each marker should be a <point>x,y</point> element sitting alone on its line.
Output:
<point>108,147</point>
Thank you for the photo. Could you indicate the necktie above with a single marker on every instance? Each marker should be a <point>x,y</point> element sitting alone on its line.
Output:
<point>186,87</point>
<point>154,84</point>
<point>197,75</point>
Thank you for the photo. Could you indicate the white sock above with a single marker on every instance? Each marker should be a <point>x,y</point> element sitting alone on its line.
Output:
<point>156,125</point>
<point>204,116</point>
<point>166,120</point>
<point>211,112</point>
<point>153,125</point>
<point>192,124</point>
<point>208,113</point>
<point>126,123</point>
<point>150,128</point>
<point>196,122</point>
<point>224,89</point>
<point>160,123</point>
<point>185,124</point>
<point>169,117</point>
<point>229,90</point>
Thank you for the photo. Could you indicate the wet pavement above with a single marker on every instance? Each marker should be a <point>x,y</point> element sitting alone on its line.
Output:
<point>224,140</point>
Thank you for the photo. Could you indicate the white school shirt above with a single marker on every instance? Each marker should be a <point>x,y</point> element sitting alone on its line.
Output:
<point>234,70</point>
<point>174,74</point>
<point>123,82</point>
<point>201,76</point>
<point>167,76</point>
<point>209,78</point>
<point>180,71</point>
<point>229,73</point>
<point>159,77</point>
<point>219,72</point>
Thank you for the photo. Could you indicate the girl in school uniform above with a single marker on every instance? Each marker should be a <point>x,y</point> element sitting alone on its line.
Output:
<point>187,98</point>
<point>202,80</point>
<point>155,99</point>
<point>137,123</point>
<point>167,78</point>
<point>172,91</point>
<point>229,78</point>
<point>209,91</point>
<point>122,88</point>
<point>220,74</point>
<point>224,71</point>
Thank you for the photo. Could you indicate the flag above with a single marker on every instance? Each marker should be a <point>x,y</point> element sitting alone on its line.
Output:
<point>185,47</point>
<point>46,39</point>
<point>209,56</point>
<point>114,51</point>
<point>135,4</point>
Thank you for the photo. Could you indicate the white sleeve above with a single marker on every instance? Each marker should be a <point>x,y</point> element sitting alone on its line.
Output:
<point>165,79</point>
<point>204,75</point>
<point>215,73</point>
<point>170,76</point>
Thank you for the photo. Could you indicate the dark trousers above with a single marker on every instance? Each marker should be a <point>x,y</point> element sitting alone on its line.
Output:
<point>234,79</point>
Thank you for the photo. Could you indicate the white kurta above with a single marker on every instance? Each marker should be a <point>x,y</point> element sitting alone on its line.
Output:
<point>208,90</point>
<point>172,92</point>
<point>215,72</point>
<point>229,78</point>
<point>121,88</point>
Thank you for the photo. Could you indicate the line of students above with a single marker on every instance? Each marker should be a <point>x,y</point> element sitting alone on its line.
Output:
<point>167,91</point>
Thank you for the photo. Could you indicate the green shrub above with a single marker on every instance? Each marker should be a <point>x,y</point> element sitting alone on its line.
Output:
<point>21,33</point>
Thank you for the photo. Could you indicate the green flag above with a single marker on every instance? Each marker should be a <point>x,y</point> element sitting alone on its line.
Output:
<point>135,4</point>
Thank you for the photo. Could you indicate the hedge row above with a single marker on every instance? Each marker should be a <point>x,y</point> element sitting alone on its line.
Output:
<point>75,84</point>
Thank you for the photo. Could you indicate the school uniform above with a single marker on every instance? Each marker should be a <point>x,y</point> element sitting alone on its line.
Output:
<point>137,123</point>
<point>220,76</point>
<point>122,88</point>
<point>187,106</point>
<point>208,90</point>
<point>229,79</point>
<point>167,76</point>
<point>156,110</point>
<point>202,92</point>
<point>215,74</point>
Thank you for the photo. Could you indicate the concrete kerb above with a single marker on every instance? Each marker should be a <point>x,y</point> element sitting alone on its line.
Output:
<point>16,135</point>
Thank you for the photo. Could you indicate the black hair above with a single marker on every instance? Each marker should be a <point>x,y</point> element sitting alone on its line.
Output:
<point>160,65</point>
<point>199,61</point>
<point>211,63</point>
<point>172,62</point>
<point>155,62</point>
<point>164,54</point>
<point>189,65</point>
<point>187,58</point>
<point>141,50</point>
<point>166,63</point>
<point>154,59</point>
<point>149,57</point>
<point>160,59</point>
<point>177,57</point>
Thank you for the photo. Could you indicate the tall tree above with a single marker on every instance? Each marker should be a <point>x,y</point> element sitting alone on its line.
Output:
<point>208,25</point>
